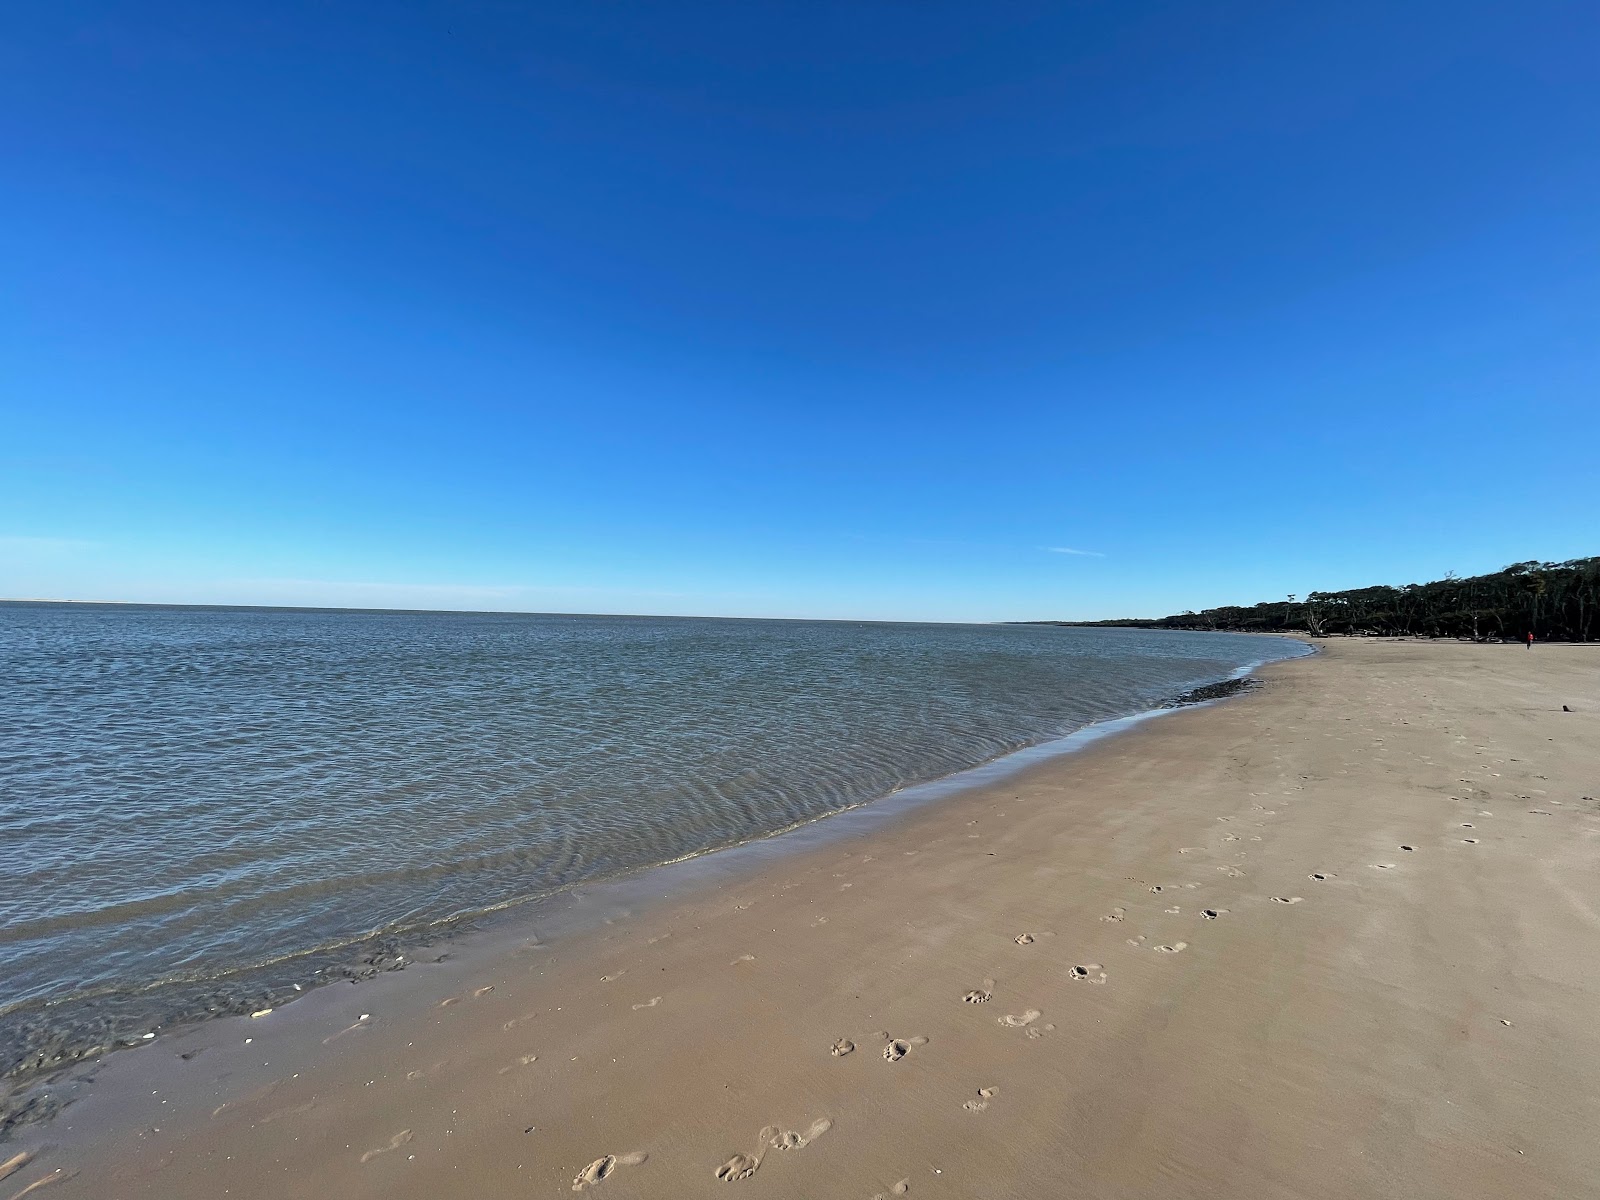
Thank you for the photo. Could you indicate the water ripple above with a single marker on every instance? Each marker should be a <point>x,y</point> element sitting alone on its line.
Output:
<point>190,794</point>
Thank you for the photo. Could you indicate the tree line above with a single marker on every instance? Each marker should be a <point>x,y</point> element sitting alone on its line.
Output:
<point>1555,601</point>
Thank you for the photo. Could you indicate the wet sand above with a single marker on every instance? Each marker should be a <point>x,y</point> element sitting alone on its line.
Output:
<point>1339,937</point>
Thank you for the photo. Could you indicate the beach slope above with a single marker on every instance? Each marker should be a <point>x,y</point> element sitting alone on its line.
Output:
<point>1337,938</point>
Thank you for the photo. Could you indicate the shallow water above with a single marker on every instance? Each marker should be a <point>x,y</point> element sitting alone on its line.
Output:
<point>202,808</point>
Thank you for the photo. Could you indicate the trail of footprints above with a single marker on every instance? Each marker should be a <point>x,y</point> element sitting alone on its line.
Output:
<point>1119,913</point>
<point>743,1165</point>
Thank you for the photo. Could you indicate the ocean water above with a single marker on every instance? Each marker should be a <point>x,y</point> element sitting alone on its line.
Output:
<point>201,808</point>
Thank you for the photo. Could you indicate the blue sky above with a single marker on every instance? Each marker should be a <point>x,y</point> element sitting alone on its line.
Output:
<point>939,311</point>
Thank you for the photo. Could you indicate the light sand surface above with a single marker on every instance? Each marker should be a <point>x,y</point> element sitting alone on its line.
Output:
<point>1398,994</point>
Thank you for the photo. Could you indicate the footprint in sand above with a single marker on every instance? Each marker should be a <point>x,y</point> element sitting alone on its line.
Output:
<point>294,1110</point>
<point>899,1189</point>
<point>842,1047</point>
<point>360,1024</point>
<point>1287,899</point>
<point>981,996</point>
<point>1093,972</point>
<point>398,1140</point>
<point>1136,941</point>
<point>601,1168</point>
<point>788,1139</point>
<point>1320,876</point>
<point>898,1048</point>
<point>1384,866</point>
<point>526,1060</point>
<point>1470,841</point>
<point>424,1072</point>
<point>260,1093</point>
<point>612,978</point>
<point>1028,1017</point>
<point>650,1003</point>
<point>1232,872</point>
<point>59,1175</point>
<point>982,1102</point>
<point>742,1166</point>
<point>1175,948</point>
<point>1173,909</point>
<point>1023,939</point>
<point>743,958</point>
<point>483,991</point>
<point>1116,914</point>
<point>1211,914</point>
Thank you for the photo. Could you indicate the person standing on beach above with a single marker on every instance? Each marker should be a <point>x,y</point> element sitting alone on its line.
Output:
<point>1530,639</point>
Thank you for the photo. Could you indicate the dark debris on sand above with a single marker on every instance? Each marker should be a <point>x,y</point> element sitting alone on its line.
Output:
<point>1212,691</point>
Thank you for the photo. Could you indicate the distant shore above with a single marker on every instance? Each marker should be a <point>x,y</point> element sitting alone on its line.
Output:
<point>1551,601</point>
<point>1333,938</point>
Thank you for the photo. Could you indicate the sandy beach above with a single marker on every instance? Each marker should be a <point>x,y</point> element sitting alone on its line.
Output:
<point>1339,937</point>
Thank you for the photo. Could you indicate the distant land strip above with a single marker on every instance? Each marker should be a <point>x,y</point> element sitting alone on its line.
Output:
<point>1554,601</point>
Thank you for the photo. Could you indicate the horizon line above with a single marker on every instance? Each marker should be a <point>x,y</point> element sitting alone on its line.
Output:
<point>493,612</point>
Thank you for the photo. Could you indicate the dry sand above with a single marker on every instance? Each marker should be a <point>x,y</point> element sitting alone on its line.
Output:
<point>1021,991</point>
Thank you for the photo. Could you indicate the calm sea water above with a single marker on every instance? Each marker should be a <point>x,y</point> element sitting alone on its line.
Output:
<point>201,808</point>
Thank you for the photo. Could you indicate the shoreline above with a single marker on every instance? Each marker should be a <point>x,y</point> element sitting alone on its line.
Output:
<point>37,1094</point>
<point>1254,949</point>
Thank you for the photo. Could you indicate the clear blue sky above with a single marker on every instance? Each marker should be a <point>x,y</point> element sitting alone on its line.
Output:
<point>809,309</point>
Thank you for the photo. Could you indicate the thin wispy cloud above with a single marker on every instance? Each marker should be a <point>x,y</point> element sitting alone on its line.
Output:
<point>1008,547</point>
<point>381,593</point>
<point>22,544</point>
<point>392,589</point>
